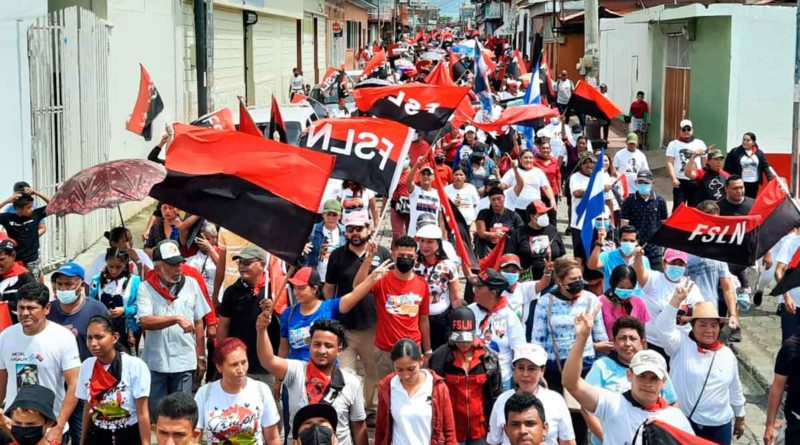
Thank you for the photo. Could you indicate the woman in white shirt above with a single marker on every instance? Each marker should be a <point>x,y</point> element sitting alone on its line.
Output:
<point>115,387</point>
<point>414,405</point>
<point>117,288</point>
<point>236,408</point>
<point>464,195</point>
<point>704,371</point>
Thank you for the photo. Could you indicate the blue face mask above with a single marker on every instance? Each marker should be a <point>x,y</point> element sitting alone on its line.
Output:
<point>674,273</point>
<point>623,294</point>
<point>600,224</point>
<point>644,189</point>
<point>627,247</point>
<point>511,277</point>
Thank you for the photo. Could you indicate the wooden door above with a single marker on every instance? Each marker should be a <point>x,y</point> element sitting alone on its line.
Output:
<point>676,101</point>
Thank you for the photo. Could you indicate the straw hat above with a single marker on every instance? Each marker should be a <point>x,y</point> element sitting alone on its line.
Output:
<point>705,309</point>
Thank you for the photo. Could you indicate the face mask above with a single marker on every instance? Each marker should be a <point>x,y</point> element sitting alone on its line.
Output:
<point>600,224</point>
<point>316,435</point>
<point>27,435</point>
<point>644,189</point>
<point>543,220</point>
<point>67,296</point>
<point>404,265</point>
<point>511,277</point>
<point>627,247</point>
<point>439,159</point>
<point>674,273</point>
<point>576,287</point>
<point>623,294</point>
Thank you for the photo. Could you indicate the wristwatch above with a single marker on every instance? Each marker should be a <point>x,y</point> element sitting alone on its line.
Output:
<point>201,357</point>
<point>429,352</point>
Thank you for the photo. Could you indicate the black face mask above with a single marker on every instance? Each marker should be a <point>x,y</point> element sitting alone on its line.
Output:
<point>27,435</point>
<point>316,435</point>
<point>576,287</point>
<point>404,264</point>
<point>439,159</point>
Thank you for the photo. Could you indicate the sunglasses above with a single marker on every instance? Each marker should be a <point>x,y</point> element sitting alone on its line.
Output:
<point>331,214</point>
<point>686,129</point>
<point>351,229</point>
<point>426,173</point>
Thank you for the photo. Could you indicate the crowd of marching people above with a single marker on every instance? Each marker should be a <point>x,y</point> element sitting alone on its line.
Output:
<point>510,329</point>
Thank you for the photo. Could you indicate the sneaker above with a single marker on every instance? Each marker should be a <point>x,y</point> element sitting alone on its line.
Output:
<point>758,297</point>
<point>736,336</point>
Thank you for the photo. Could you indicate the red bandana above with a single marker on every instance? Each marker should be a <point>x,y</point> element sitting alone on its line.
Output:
<point>716,346</point>
<point>102,380</point>
<point>261,283</point>
<point>316,383</point>
<point>152,278</point>
<point>660,404</point>
<point>16,270</point>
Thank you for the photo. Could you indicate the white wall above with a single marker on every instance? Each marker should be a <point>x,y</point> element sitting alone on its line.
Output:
<point>762,64</point>
<point>15,114</point>
<point>274,56</point>
<point>625,60</point>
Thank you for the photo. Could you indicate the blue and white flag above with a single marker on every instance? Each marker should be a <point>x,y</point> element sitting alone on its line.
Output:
<point>533,95</point>
<point>592,204</point>
<point>482,89</point>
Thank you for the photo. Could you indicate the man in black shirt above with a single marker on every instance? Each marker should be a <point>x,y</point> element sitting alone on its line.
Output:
<point>787,372</point>
<point>710,179</point>
<point>735,203</point>
<point>537,241</point>
<point>495,222</point>
<point>360,322</point>
<point>23,227</point>
<point>241,304</point>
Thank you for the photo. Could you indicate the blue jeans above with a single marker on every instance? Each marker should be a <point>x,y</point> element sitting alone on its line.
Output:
<point>163,384</point>
<point>722,434</point>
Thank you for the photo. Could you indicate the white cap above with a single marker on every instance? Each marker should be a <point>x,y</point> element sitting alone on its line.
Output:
<point>686,123</point>
<point>429,231</point>
<point>531,352</point>
<point>544,132</point>
<point>469,128</point>
<point>649,361</point>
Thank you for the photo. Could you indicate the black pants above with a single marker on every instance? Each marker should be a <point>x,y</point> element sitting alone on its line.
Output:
<point>751,189</point>
<point>124,436</point>
<point>440,329</point>
<point>683,193</point>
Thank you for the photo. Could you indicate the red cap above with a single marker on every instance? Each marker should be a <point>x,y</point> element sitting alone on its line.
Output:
<point>539,206</point>
<point>307,276</point>
<point>510,259</point>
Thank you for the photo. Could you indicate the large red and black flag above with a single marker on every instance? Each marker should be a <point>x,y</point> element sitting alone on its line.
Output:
<point>377,61</point>
<point>218,120</point>
<point>524,115</point>
<point>420,106</point>
<point>730,239</point>
<point>368,150</point>
<point>276,123</point>
<point>779,215</point>
<point>586,99</point>
<point>268,192</point>
<point>441,76</point>
<point>246,124</point>
<point>148,106</point>
<point>658,432</point>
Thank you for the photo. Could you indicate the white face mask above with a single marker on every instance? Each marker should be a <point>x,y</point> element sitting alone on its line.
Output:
<point>543,220</point>
<point>67,296</point>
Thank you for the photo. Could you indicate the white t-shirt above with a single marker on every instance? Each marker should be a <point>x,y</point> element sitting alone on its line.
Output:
<point>439,277</point>
<point>38,359</point>
<point>785,250</point>
<point>535,180</point>
<point>657,293</point>
<point>469,200</point>
<point>411,416</point>
<point>298,83</point>
<point>556,413</point>
<point>681,152</point>
<point>100,262</point>
<point>422,201</point>
<point>620,419</point>
<point>235,418</point>
<point>503,332</point>
<point>521,297</point>
<point>356,204</point>
<point>325,254</point>
<point>349,403</point>
<point>117,409</point>
<point>749,163</point>
<point>630,163</point>
<point>563,91</point>
<point>205,265</point>
<point>577,182</point>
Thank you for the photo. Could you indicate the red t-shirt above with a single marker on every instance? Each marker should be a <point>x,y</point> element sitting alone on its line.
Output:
<point>399,304</point>
<point>445,173</point>
<point>638,109</point>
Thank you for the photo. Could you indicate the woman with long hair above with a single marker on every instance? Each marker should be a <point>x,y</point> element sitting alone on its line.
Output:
<point>620,299</point>
<point>122,238</point>
<point>117,288</point>
<point>748,161</point>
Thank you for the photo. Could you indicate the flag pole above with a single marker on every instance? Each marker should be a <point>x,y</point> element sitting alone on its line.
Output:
<point>379,224</point>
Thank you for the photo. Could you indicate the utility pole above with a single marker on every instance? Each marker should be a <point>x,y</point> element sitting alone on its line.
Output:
<point>795,182</point>
<point>591,47</point>
<point>201,55</point>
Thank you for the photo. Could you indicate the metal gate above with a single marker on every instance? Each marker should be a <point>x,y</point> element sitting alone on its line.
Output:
<point>68,58</point>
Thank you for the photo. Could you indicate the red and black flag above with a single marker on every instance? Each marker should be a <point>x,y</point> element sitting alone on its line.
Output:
<point>420,106</point>
<point>218,120</point>
<point>730,239</point>
<point>779,215</point>
<point>586,99</point>
<point>441,76</point>
<point>329,79</point>
<point>278,186</point>
<point>524,115</point>
<point>369,151</point>
<point>453,59</point>
<point>374,63</point>
<point>276,123</point>
<point>148,106</point>
<point>658,432</point>
<point>246,124</point>
<point>467,255</point>
<point>548,93</point>
<point>791,277</point>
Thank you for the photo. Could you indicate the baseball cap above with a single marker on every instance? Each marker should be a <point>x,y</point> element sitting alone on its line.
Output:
<point>358,219</point>
<point>251,253</point>
<point>492,180</point>
<point>648,360</point>
<point>307,276</point>
<point>584,156</point>
<point>645,175</point>
<point>632,138</point>
<point>686,123</point>
<point>429,231</point>
<point>70,269</point>
<point>539,206</point>
<point>426,167</point>
<point>7,245</point>
<point>492,279</point>
<point>36,398</point>
<point>469,128</point>
<point>531,352</point>
<point>168,252</point>
<point>307,412</point>
<point>715,154</point>
<point>332,205</point>
<point>462,324</point>
<point>672,254</point>
<point>510,259</point>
